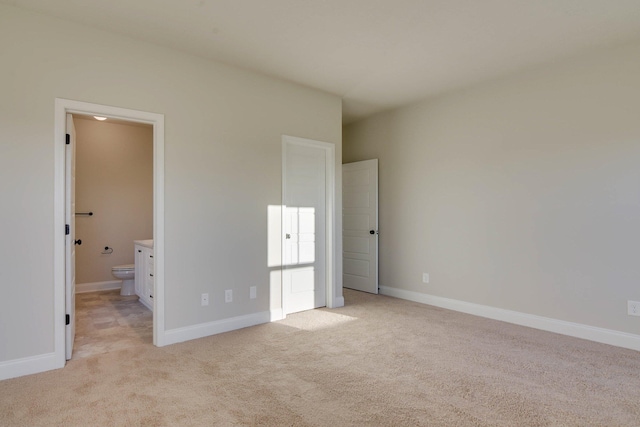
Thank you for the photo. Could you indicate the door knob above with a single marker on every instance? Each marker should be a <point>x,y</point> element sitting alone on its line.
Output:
<point>287,236</point>
<point>372,232</point>
<point>77,242</point>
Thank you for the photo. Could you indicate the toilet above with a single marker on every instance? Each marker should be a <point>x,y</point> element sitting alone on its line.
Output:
<point>126,273</point>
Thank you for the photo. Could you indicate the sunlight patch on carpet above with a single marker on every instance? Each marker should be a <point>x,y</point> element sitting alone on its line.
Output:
<point>314,320</point>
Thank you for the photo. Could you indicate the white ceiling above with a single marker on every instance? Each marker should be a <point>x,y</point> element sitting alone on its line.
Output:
<point>375,54</point>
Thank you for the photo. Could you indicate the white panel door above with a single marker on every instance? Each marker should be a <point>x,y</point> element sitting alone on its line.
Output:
<point>304,243</point>
<point>70,242</point>
<point>360,225</point>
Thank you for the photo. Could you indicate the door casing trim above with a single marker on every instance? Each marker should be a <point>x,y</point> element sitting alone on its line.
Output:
<point>330,215</point>
<point>62,107</point>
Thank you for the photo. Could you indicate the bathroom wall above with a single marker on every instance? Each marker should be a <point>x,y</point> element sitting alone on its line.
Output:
<point>114,180</point>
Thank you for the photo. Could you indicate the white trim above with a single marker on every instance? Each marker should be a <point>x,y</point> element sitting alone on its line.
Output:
<point>62,107</point>
<point>29,365</point>
<point>158,231</point>
<point>332,300</point>
<point>578,330</point>
<point>59,265</point>
<point>83,288</point>
<point>202,330</point>
<point>275,315</point>
<point>144,302</point>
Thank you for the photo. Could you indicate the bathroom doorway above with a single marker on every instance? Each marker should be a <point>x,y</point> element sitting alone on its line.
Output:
<point>63,292</point>
<point>113,208</point>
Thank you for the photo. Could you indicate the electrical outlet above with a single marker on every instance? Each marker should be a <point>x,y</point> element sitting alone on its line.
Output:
<point>204,299</point>
<point>253,292</point>
<point>228,295</point>
<point>425,277</point>
<point>633,308</point>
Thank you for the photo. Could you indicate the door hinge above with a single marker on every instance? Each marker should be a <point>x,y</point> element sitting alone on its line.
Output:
<point>66,229</point>
<point>67,319</point>
<point>68,139</point>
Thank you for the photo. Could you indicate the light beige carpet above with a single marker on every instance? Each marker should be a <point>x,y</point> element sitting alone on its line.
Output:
<point>378,361</point>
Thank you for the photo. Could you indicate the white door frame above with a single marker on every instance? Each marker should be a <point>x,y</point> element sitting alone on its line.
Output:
<point>62,107</point>
<point>70,239</point>
<point>330,214</point>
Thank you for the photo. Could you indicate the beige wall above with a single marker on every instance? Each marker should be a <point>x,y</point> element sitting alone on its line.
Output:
<point>114,180</point>
<point>223,136</point>
<point>522,193</point>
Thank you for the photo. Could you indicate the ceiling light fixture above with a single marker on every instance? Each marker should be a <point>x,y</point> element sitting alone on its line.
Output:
<point>100,118</point>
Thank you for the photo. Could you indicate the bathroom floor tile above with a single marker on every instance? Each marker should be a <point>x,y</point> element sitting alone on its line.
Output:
<point>107,321</point>
<point>107,324</point>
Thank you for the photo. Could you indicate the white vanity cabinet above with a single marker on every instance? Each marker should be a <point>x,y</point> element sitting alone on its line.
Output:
<point>149,282</point>
<point>144,271</point>
<point>139,269</point>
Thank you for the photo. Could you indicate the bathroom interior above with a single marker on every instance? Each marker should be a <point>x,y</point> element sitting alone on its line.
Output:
<point>114,232</point>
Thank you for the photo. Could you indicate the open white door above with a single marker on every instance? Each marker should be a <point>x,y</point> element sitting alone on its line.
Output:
<point>360,225</point>
<point>304,226</point>
<point>70,238</point>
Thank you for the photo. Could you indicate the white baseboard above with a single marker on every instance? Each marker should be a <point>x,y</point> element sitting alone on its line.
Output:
<point>275,315</point>
<point>82,288</point>
<point>338,302</point>
<point>202,330</point>
<point>29,365</point>
<point>578,330</point>
<point>146,303</point>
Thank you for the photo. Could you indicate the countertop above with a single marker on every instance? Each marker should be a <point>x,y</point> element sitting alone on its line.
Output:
<point>146,243</point>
